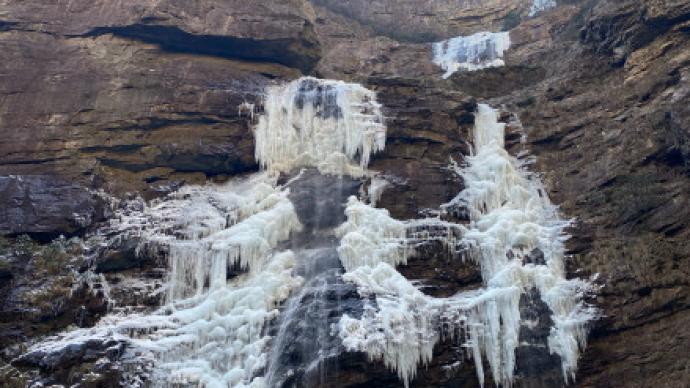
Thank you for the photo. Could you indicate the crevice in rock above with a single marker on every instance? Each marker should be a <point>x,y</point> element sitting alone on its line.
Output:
<point>174,39</point>
<point>7,25</point>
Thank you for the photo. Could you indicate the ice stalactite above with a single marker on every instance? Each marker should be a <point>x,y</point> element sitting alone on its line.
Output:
<point>319,123</point>
<point>511,217</point>
<point>208,229</point>
<point>473,52</point>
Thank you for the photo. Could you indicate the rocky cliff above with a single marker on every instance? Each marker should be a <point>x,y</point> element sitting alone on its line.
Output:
<point>101,101</point>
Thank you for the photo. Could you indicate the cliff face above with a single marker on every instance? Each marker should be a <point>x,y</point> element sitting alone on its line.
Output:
<point>114,97</point>
<point>143,99</point>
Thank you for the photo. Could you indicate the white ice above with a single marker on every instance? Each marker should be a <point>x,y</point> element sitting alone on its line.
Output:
<point>474,52</point>
<point>211,332</point>
<point>326,124</point>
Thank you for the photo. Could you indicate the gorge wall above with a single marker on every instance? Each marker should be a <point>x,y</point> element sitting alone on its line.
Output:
<point>101,103</point>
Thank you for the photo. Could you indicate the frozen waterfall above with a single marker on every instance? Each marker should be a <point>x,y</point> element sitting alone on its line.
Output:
<point>320,123</point>
<point>274,276</point>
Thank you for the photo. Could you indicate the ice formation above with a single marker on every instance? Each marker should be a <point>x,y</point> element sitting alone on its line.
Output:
<point>473,52</point>
<point>541,5</point>
<point>212,331</point>
<point>511,216</point>
<point>226,281</point>
<point>227,277</point>
<point>319,123</point>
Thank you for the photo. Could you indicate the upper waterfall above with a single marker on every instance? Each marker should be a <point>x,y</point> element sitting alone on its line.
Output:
<point>319,123</point>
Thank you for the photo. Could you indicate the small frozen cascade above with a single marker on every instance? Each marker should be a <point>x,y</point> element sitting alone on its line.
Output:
<point>226,282</point>
<point>541,5</point>
<point>511,217</point>
<point>474,52</point>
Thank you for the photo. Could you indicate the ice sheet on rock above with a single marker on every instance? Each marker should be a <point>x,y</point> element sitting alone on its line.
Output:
<point>219,340</point>
<point>473,52</point>
<point>401,330</point>
<point>511,216</point>
<point>215,334</point>
<point>215,340</point>
<point>319,123</point>
<point>208,229</point>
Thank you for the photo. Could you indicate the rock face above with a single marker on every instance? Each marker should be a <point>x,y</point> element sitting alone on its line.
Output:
<point>39,204</point>
<point>146,98</point>
<point>419,21</point>
<point>276,31</point>
<point>609,128</point>
<point>141,98</point>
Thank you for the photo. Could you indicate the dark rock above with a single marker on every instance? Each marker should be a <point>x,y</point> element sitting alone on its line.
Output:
<point>209,27</point>
<point>622,27</point>
<point>498,81</point>
<point>45,205</point>
<point>536,366</point>
<point>535,257</point>
<point>119,254</point>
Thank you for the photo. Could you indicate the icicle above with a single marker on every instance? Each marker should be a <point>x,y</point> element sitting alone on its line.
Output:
<point>248,108</point>
<point>376,188</point>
